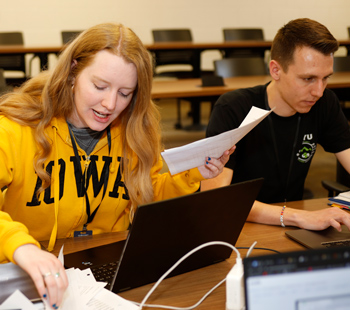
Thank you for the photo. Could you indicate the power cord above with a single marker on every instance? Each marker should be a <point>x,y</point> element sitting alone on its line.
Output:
<point>238,268</point>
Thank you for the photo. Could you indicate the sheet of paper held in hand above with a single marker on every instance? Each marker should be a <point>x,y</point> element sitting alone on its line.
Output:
<point>194,154</point>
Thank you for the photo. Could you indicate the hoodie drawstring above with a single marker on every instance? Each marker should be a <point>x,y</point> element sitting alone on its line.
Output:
<point>56,190</point>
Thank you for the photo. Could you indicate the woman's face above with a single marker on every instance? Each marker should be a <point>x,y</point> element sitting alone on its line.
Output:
<point>102,91</point>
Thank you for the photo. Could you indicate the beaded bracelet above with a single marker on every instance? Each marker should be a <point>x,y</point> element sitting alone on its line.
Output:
<point>281,217</point>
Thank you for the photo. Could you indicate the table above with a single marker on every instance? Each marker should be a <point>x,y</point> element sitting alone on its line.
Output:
<point>191,88</point>
<point>199,47</point>
<point>43,51</point>
<point>187,289</point>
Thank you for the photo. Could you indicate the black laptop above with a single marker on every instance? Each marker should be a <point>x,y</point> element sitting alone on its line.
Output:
<point>327,238</point>
<point>302,280</point>
<point>162,232</point>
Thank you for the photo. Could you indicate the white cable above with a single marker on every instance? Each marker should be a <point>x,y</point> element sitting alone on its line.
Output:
<point>142,304</point>
<point>185,308</point>
<point>251,248</point>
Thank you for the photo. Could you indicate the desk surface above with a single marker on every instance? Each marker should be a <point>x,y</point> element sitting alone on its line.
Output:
<point>13,49</point>
<point>187,289</point>
<point>192,87</point>
<point>258,44</point>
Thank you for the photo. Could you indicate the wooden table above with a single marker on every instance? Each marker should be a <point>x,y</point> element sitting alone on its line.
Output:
<point>198,47</point>
<point>42,52</point>
<point>188,288</point>
<point>191,88</point>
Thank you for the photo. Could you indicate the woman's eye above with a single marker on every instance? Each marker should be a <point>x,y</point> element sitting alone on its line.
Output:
<point>98,87</point>
<point>124,95</point>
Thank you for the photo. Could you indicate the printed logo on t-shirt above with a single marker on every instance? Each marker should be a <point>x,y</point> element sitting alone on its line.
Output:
<point>308,149</point>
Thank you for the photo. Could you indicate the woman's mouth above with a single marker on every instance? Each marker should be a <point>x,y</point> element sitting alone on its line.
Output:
<point>101,115</point>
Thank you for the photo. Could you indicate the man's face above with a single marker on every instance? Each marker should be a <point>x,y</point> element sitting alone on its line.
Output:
<point>305,80</point>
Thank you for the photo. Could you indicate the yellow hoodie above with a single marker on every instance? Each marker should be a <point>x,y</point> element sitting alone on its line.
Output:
<point>26,219</point>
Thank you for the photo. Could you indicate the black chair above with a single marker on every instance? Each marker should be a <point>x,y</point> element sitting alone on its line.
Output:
<point>341,184</point>
<point>240,66</point>
<point>11,62</point>
<point>3,85</point>
<point>69,35</point>
<point>342,64</point>
<point>176,57</point>
<point>243,34</point>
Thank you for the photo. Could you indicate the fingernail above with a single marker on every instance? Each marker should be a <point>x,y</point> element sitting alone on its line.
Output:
<point>209,158</point>
<point>44,296</point>
<point>207,163</point>
<point>54,306</point>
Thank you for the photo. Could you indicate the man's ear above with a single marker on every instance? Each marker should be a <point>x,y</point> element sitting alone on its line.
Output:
<point>275,69</point>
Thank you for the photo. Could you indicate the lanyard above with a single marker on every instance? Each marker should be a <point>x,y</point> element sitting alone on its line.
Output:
<point>87,175</point>
<point>276,148</point>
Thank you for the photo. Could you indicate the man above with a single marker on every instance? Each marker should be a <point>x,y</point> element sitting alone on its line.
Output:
<point>281,147</point>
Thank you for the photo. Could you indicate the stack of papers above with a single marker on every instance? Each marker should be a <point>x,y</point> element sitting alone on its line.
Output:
<point>83,293</point>
<point>193,155</point>
<point>341,201</point>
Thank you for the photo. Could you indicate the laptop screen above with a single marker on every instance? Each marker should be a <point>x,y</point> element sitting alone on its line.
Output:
<point>304,280</point>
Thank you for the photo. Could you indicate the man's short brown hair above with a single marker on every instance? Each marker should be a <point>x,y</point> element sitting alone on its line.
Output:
<point>299,33</point>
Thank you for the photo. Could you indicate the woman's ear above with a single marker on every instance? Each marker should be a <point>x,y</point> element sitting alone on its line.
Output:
<point>73,64</point>
<point>275,69</point>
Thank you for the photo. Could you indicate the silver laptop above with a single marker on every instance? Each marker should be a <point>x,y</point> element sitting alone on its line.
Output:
<point>327,238</point>
<point>304,280</point>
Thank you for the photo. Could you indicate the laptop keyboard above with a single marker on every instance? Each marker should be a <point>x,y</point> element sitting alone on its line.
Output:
<point>338,243</point>
<point>105,273</point>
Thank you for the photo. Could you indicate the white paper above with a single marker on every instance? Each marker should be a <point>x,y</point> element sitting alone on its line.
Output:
<point>83,293</point>
<point>17,301</point>
<point>194,154</point>
<point>106,300</point>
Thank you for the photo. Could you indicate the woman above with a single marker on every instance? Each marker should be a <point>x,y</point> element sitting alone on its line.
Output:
<point>80,149</point>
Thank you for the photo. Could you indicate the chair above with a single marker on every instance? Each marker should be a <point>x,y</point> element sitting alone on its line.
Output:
<point>341,64</point>
<point>69,35</point>
<point>12,62</point>
<point>3,85</point>
<point>243,34</point>
<point>342,183</point>
<point>240,66</point>
<point>178,57</point>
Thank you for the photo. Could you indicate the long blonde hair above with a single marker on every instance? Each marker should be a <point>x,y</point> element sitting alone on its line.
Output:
<point>49,95</point>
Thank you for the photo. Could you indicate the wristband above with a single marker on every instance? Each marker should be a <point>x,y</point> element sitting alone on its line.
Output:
<point>281,216</point>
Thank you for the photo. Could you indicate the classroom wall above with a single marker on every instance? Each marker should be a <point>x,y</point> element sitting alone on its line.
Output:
<point>42,20</point>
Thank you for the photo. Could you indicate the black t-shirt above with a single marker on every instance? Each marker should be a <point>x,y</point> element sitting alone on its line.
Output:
<point>279,149</point>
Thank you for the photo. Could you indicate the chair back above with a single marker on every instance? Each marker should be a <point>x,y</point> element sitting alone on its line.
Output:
<point>341,63</point>
<point>244,66</point>
<point>69,35</point>
<point>243,34</point>
<point>12,62</point>
<point>342,176</point>
<point>3,85</point>
<point>2,79</point>
<point>177,57</point>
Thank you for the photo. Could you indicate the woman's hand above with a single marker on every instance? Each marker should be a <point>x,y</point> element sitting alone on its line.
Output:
<point>214,166</point>
<point>46,270</point>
